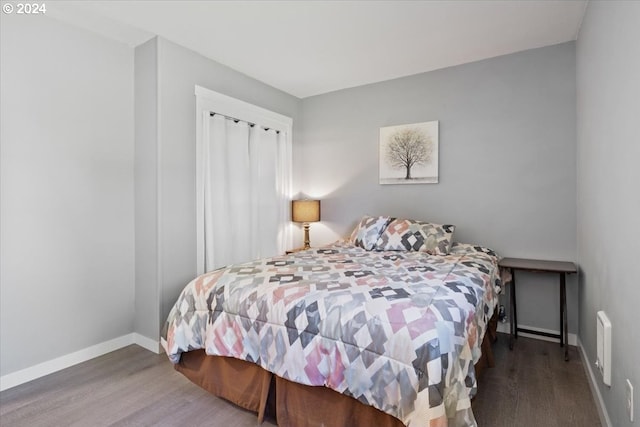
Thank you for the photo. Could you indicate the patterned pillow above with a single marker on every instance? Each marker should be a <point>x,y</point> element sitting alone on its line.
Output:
<point>410,235</point>
<point>468,248</point>
<point>368,231</point>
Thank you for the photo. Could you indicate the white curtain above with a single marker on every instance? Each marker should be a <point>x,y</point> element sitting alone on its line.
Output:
<point>246,192</point>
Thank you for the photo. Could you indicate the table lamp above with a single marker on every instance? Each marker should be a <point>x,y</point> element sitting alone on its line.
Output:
<point>305,211</point>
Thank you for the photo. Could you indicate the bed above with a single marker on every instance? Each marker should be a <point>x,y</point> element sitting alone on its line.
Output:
<point>372,330</point>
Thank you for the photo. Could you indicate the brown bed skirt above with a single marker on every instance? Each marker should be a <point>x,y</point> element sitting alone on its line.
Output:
<point>291,404</point>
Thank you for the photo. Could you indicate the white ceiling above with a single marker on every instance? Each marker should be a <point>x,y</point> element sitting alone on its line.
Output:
<point>307,48</point>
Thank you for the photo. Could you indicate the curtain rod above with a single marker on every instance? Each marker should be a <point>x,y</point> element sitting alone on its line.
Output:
<point>211,113</point>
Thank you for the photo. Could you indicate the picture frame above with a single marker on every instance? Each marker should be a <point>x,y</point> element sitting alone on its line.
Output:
<point>409,153</point>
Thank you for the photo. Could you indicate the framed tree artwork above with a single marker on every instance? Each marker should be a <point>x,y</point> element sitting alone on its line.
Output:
<point>409,154</point>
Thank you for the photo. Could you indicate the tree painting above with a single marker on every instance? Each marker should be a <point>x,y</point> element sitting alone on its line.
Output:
<point>409,153</point>
<point>407,148</point>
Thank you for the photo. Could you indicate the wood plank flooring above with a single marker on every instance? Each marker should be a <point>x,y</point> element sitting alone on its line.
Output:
<point>530,386</point>
<point>534,386</point>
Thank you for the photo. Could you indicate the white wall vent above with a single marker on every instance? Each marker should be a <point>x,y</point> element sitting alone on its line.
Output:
<point>603,361</point>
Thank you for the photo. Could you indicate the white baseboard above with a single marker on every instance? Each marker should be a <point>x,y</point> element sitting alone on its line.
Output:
<point>504,328</point>
<point>593,385</point>
<point>148,343</point>
<point>50,366</point>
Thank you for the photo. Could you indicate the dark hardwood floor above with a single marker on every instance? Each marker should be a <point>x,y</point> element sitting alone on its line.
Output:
<point>531,386</point>
<point>534,386</point>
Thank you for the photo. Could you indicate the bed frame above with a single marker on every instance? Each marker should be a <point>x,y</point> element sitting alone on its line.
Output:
<point>291,404</point>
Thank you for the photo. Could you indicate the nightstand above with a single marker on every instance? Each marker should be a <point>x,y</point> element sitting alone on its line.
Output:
<point>293,251</point>
<point>562,268</point>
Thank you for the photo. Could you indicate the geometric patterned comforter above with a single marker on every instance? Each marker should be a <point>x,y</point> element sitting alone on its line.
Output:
<point>399,331</point>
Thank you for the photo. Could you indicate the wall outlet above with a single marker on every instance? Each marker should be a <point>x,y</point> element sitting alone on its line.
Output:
<point>630,400</point>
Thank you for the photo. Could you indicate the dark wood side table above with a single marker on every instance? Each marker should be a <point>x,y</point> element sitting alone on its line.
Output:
<point>293,251</point>
<point>562,268</point>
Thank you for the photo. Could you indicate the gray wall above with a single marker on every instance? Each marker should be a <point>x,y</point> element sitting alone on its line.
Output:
<point>178,71</point>
<point>507,161</point>
<point>608,85</point>
<point>66,161</point>
<point>147,293</point>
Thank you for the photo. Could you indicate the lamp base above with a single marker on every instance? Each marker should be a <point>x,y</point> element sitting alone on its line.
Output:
<point>306,236</point>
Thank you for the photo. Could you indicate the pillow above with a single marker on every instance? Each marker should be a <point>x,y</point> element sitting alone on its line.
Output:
<point>368,231</point>
<point>467,248</point>
<point>410,235</point>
